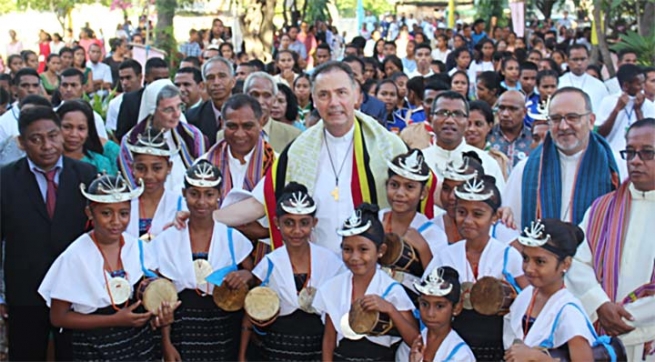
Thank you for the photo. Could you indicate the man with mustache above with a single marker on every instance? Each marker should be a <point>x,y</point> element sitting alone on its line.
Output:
<point>612,273</point>
<point>564,175</point>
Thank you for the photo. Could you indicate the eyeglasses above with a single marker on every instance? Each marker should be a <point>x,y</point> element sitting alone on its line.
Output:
<point>170,110</point>
<point>443,114</point>
<point>572,119</point>
<point>645,155</point>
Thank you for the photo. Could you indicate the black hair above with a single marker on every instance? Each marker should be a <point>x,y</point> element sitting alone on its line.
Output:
<point>25,54</point>
<point>92,143</point>
<point>193,170</point>
<point>545,74</point>
<point>490,80</point>
<point>457,52</point>
<point>479,57</point>
<point>397,75</point>
<point>644,122</point>
<point>417,86</point>
<point>12,57</point>
<point>23,72</point>
<point>564,237</point>
<point>394,60</point>
<point>238,86</point>
<point>114,43</point>
<point>287,193</point>
<point>391,42</point>
<point>577,47</point>
<point>451,276</point>
<point>131,64</point>
<point>474,160</point>
<point>291,113</point>
<point>441,65</point>
<point>484,108</point>
<point>425,169</point>
<point>369,213</point>
<point>239,101</point>
<point>35,99</point>
<point>505,60</point>
<point>553,66</point>
<point>193,60</point>
<point>527,66</point>
<point>257,64</point>
<point>623,52</point>
<point>4,96</point>
<point>65,50</point>
<point>370,83</point>
<point>489,182</point>
<point>195,72</point>
<point>383,82</point>
<point>33,114</point>
<point>324,46</point>
<point>72,72</point>
<point>436,85</point>
<point>535,51</point>
<point>354,59</point>
<point>359,41</point>
<point>451,95</point>
<point>422,46</point>
<point>627,72</point>
<point>596,69</point>
<point>155,63</point>
<point>228,44</point>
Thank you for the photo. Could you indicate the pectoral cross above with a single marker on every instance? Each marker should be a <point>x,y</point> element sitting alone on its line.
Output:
<point>335,193</point>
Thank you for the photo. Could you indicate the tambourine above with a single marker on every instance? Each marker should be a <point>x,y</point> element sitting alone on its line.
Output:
<point>152,292</point>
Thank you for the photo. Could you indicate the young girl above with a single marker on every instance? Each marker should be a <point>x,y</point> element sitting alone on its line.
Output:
<point>286,64</point>
<point>90,287</point>
<point>462,57</point>
<point>547,81</point>
<point>459,82</point>
<point>302,89</point>
<point>406,188</point>
<point>367,285</point>
<point>438,304</point>
<point>156,206</point>
<point>299,268</point>
<point>509,68</point>
<point>387,92</point>
<point>480,255</point>
<point>548,248</point>
<point>187,257</point>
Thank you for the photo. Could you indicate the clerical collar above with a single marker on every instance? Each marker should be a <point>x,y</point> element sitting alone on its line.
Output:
<point>346,138</point>
<point>641,195</point>
<point>570,158</point>
<point>457,150</point>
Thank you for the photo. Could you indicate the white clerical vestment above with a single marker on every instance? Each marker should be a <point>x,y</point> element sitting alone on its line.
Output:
<point>636,269</point>
<point>590,85</point>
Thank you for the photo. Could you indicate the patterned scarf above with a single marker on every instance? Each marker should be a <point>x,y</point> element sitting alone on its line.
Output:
<point>188,138</point>
<point>298,162</point>
<point>262,158</point>
<point>542,180</point>
<point>608,223</point>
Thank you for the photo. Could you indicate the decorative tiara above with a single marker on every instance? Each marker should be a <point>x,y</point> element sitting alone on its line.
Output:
<point>147,144</point>
<point>434,285</point>
<point>354,225</point>
<point>112,190</point>
<point>203,175</point>
<point>409,167</point>
<point>298,204</point>
<point>473,191</point>
<point>454,173</point>
<point>542,110</point>
<point>534,236</point>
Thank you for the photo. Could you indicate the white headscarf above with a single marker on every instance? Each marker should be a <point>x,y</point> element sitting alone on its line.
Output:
<point>149,99</point>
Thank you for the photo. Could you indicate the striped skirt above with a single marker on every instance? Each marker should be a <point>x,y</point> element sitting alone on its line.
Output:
<point>294,337</point>
<point>364,350</point>
<point>203,332</point>
<point>116,343</point>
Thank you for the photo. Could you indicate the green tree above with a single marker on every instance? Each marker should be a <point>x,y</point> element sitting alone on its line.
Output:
<point>61,8</point>
<point>7,6</point>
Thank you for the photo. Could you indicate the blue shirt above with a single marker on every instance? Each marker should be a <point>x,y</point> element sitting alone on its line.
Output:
<point>40,177</point>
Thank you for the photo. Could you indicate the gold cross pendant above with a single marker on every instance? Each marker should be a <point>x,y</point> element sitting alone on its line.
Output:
<point>335,193</point>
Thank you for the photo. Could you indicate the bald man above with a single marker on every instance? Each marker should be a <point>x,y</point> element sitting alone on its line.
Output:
<point>509,135</point>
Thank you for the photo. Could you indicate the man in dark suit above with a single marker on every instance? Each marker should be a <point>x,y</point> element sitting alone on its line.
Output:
<point>218,75</point>
<point>41,213</point>
<point>156,69</point>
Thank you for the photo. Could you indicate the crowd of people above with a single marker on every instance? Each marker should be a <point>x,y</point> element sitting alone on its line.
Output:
<point>420,193</point>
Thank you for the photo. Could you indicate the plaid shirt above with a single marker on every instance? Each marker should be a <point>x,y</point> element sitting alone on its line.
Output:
<point>191,49</point>
<point>516,150</point>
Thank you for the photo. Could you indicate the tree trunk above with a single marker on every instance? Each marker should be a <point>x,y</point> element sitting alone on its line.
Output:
<point>603,48</point>
<point>164,38</point>
<point>257,25</point>
<point>646,27</point>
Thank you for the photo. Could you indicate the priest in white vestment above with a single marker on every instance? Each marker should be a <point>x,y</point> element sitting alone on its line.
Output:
<point>577,76</point>
<point>613,272</point>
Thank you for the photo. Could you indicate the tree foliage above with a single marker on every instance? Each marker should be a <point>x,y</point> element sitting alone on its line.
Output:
<point>644,46</point>
<point>348,8</point>
<point>61,8</point>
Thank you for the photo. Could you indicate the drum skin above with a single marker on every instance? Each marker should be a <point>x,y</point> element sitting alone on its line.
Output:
<point>262,305</point>
<point>153,291</point>
<point>491,296</point>
<point>228,299</point>
<point>371,323</point>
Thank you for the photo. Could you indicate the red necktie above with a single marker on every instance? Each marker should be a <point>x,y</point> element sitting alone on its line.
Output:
<point>51,193</point>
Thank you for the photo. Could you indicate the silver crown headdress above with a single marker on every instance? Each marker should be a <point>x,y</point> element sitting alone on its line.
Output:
<point>354,225</point>
<point>434,285</point>
<point>298,204</point>
<point>203,175</point>
<point>112,190</point>
<point>458,173</point>
<point>542,110</point>
<point>534,235</point>
<point>147,144</point>
<point>410,167</point>
<point>474,191</point>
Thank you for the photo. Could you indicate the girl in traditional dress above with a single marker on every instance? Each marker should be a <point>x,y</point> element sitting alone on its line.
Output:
<point>477,256</point>
<point>156,206</point>
<point>366,285</point>
<point>546,311</point>
<point>90,287</point>
<point>295,271</point>
<point>197,259</point>
<point>439,303</point>
<point>406,189</point>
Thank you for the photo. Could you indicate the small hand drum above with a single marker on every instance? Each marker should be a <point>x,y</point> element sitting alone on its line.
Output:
<point>262,305</point>
<point>228,299</point>
<point>491,296</point>
<point>599,352</point>
<point>152,292</point>
<point>371,323</point>
<point>401,255</point>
